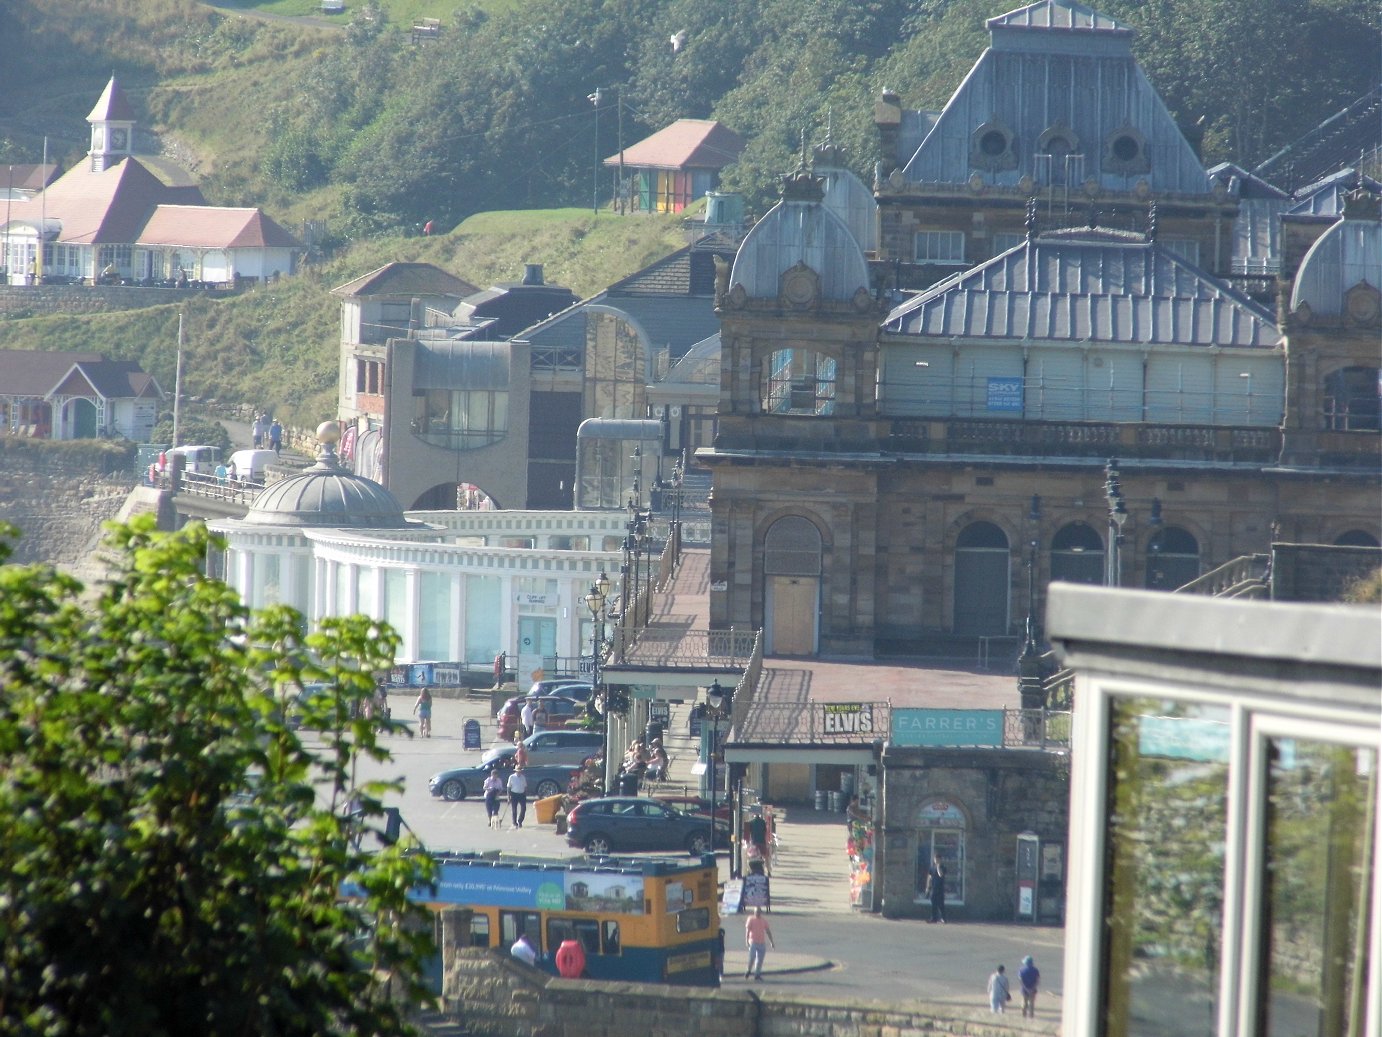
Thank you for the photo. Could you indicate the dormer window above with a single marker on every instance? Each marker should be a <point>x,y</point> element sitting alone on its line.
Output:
<point>991,147</point>
<point>1125,152</point>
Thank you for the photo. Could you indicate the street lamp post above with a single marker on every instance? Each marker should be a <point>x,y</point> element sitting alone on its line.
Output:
<point>595,601</point>
<point>717,703</point>
<point>1029,679</point>
<point>1117,516</point>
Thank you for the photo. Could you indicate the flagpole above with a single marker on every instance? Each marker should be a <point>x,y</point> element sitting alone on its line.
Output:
<point>177,385</point>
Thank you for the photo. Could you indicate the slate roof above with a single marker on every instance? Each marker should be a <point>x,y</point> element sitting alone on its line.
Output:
<point>112,106</point>
<point>110,379</point>
<point>1325,198</point>
<point>685,144</point>
<point>406,279</point>
<point>799,230</point>
<point>1096,287</point>
<point>1058,66</point>
<point>36,373</point>
<point>1345,255</point>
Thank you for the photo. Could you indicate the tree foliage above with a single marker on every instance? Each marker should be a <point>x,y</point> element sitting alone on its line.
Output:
<point>173,856</point>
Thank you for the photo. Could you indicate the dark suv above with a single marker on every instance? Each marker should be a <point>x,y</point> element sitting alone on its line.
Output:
<point>619,824</point>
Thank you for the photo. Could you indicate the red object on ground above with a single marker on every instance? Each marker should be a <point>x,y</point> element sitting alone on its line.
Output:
<point>570,959</point>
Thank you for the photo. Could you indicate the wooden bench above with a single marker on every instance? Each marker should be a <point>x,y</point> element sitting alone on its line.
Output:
<point>426,29</point>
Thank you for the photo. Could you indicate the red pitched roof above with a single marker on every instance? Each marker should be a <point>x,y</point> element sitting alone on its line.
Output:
<point>29,176</point>
<point>208,226</point>
<point>107,207</point>
<point>113,105</point>
<point>686,144</point>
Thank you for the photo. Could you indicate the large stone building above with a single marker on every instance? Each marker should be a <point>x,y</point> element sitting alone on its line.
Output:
<point>894,469</point>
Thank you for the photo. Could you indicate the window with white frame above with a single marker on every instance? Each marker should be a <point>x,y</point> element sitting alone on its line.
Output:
<point>1187,248</point>
<point>940,246</point>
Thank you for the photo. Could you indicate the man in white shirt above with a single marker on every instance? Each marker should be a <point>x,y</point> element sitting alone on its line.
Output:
<point>518,796</point>
<point>526,716</point>
<point>524,950</point>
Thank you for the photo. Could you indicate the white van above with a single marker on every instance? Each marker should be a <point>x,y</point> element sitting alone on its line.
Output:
<point>199,459</point>
<point>250,464</point>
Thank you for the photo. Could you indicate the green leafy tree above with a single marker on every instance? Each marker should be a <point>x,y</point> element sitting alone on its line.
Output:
<point>172,857</point>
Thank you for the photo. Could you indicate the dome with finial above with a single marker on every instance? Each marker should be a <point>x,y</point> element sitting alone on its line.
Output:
<point>327,495</point>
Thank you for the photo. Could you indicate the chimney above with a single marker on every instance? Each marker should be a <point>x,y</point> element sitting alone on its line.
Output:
<point>532,273</point>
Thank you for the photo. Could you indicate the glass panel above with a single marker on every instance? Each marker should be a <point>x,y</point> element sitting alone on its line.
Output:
<point>343,605</point>
<point>1168,791</point>
<point>434,616</point>
<point>396,599</point>
<point>482,610</point>
<point>1319,829</point>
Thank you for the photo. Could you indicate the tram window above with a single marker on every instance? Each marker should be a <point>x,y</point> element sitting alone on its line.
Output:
<point>479,930</point>
<point>586,930</point>
<point>512,923</point>
<point>611,938</point>
<point>694,920</point>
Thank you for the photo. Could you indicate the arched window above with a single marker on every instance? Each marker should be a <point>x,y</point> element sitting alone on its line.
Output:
<point>792,548</point>
<point>981,580</point>
<point>1077,555</point>
<point>1356,538</point>
<point>799,381</point>
<point>1173,559</point>
<point>1351,399</point>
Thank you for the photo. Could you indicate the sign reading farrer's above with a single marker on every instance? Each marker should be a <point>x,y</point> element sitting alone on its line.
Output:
<point>947,727</point>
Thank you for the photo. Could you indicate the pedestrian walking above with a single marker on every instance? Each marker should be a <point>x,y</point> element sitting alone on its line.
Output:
<point>935,889</point>
<point>259,430</point>
<point>423,708</point>
<point>1028,977</point>
<point>998,991</point>
<point>518,796</point>
<point>494,788</point>
<point>528,717</point>
<point>758,937</point>
<point>276,437</point>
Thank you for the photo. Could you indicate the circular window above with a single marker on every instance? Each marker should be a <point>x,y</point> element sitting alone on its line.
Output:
<point>1125,149</point>
<point>993,143</point>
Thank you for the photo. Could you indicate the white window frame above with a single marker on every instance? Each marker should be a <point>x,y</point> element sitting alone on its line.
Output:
<point>940,247</point>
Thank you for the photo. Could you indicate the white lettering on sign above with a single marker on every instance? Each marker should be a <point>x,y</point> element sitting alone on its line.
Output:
<point>847,718</point>
<point>532,599</point>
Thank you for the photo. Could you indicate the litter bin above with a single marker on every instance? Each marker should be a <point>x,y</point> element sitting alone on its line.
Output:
<point>546,809</point>
<point>653,732</point>
<point>628,784</point>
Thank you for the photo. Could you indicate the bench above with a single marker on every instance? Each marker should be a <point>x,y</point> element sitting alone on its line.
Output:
<point>333,6</point>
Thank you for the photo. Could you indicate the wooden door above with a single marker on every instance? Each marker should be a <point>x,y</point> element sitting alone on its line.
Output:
<point>793,606</point>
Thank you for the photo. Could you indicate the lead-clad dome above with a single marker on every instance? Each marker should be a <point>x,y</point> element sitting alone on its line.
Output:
<point>327,495</point>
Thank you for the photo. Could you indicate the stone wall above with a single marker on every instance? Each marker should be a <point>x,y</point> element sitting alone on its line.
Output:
<point>18,301</point>
<point>58,494</point>
<point>1000,793</point>
<point>492,995</point>
<point>1319,572</point>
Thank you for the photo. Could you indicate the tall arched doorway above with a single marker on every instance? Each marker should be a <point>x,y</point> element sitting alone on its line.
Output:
<point>792,574</point>
<point>1173,559</point>
<point>981,580</point>
<point>1355,538</point>
<point>1077,555</point>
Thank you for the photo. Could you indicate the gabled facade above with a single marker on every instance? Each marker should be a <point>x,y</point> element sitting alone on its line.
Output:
<point>123,219</point>
<point>676,166</point>
<point>75,396</point>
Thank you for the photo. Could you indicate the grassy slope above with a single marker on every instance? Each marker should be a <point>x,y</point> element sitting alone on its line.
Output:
<point>276,347</point>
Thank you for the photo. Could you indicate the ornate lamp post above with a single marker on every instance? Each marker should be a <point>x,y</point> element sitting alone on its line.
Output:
<point>595,601</point>
<point>718,701</point>
<point>1029,680</point>
<point>1117,516</point>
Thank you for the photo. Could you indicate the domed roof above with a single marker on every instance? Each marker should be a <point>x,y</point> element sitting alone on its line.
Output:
<point>327,495</point>
<point>1343,265</point>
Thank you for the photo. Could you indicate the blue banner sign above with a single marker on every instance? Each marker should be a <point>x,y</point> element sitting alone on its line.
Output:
<point>947,727</point>
<point>1005,394</point>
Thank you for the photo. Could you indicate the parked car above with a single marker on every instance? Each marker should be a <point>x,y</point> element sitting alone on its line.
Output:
<point>570,747</point>
<point>548,685</point>
<point>199,459</point>
<point>579,690</point>
<point>559,713</point>
<point>250,464</point>
<point>544,779</point>
<point>621,824</point>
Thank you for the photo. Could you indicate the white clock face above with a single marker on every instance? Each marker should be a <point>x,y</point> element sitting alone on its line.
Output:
<point>118,139</point>
<point>98,138</point>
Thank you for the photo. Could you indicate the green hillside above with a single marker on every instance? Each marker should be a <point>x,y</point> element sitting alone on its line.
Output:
<point>276,346</point>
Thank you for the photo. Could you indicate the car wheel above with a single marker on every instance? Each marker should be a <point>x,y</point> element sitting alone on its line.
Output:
<point>547,788</point>
<point>698,843</point>
<point>597,844</point>
<point>453,789</point>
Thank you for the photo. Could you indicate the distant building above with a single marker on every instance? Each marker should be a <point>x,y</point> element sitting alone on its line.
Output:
<point>75,396</point>
<point>124,218</point>
<point>677,165</point>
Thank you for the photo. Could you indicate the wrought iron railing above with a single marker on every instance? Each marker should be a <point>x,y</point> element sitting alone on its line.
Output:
<point>678,649</point>
<point>234,491</point>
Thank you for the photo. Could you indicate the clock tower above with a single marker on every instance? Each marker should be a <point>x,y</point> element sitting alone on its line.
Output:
<point>112,128</point>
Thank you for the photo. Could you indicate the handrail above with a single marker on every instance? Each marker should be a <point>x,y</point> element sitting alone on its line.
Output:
<point>1230,575</point>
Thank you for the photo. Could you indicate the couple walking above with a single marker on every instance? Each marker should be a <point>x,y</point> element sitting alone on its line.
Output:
<point>1028,977</point>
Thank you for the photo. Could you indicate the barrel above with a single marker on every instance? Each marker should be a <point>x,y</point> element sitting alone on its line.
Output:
<point>835,802</point>
<point>820,799</point>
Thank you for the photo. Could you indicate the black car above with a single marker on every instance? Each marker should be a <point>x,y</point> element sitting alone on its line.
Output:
<point>544,779</point>
<point>620,824</point>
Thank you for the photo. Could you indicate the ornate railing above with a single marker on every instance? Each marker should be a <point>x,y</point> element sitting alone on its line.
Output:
<point>1231,578</point>
<point>675,648</point>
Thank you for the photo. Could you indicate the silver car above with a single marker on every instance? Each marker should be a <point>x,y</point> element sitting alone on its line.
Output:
<point>572,747</point>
